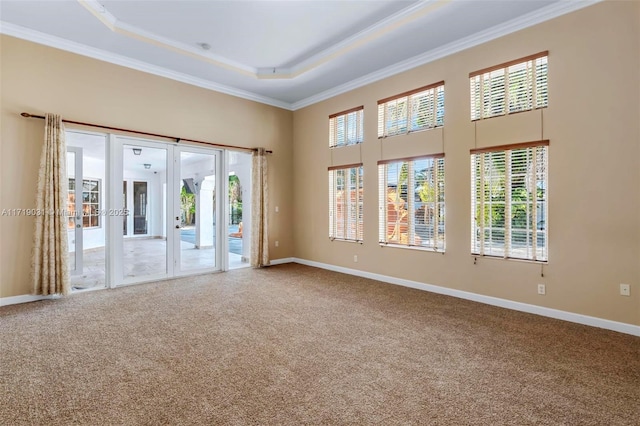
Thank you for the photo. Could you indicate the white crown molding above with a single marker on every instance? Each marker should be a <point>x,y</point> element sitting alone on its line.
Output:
<point>373,32</point>
<point>367,35</point>
<point>488,300</point>
<point>552,11</point>
<point>541,15</point>
<point>127,30</point>
<point>80,49</point>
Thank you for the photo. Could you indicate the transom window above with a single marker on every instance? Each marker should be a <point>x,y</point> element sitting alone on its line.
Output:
<point>411,111</point>
<point>345,128</point>
<point>514,86</point>
<point>90,203</point>
<point>412,209</point>
<point>345,203</point>
<point>509,206</point>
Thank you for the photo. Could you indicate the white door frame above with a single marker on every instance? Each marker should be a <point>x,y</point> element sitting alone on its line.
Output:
<point>115,177</point>
<point>173,205</point>
<point>77,218</point>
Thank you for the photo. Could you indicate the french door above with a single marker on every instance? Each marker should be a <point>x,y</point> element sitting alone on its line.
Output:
<point>86,219</point>
<point>196,210</point>
<point>170,201</point>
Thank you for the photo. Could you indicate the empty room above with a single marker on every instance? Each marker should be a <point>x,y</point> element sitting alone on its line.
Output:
<point>320,212</point>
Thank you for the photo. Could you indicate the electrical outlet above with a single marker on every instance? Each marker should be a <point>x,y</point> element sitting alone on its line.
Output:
<point>625,290</point>
<point>277,243</point>
<point>355,258</point>
<point>542,289</point>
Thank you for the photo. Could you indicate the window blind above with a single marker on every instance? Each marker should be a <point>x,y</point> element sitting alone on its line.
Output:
<point>345,128</point>
<point>509,207</point>
<point>411,202</point>
<point>346,202</point>
<point>411,111</point>
<point>508,88</point>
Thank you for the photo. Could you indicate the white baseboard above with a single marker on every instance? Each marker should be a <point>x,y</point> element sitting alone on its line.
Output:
<point>25,298</point>
<point>495,301</point>
<point>281,261</point>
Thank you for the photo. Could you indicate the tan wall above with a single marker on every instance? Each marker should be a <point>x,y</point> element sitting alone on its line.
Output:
<point>594,198</point>
<point>40,79</point>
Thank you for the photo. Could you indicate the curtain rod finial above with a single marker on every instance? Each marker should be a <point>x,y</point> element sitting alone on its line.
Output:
<point>26,114</point>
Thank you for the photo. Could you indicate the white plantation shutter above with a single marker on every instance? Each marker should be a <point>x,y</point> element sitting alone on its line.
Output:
<point>541,92</point>
<point>476,97</point>
<point>411,111</point>
<point>515,86</point>
<point>494,97</point>
<point>381,120</point>
<point>332,204</point>
<point>345,128</point>
<point>520,87</point>
<point>509,206</point>
<point>411,202</point>
<point>439,93</point>
<point>345,202</point>
<point>382,203</point>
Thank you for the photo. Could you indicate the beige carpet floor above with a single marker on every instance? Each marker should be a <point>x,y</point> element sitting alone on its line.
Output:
<point>295,345</point>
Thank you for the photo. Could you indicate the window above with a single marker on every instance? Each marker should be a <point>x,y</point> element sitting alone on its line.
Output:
<point>345,128</point>
<point>407,112</point>
<point>515,86</point>
<point>90,203</point>
<point>345,202</point>
<point>509,201</point>
<point>411,204</point>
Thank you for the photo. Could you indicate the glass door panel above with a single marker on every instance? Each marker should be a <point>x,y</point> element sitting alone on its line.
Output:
<point>144,247</point>
<point>140,208</point>
<point>239,220</point>
<point>196,210</point>
<point>124,206</point>
<point>87,221</point>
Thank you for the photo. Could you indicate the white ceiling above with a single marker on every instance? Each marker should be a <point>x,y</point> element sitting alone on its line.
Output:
<point>285,53</point>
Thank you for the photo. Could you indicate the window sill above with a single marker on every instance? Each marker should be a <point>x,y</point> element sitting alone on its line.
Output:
<point>346,241</point>
<point>347,145</point>
<point>510,259</point>
<point>418,248</point>
<point>411,132</point>
<point>508,114</point>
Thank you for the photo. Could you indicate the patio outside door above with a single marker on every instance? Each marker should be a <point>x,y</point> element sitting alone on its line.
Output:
<point>196,210</point>
<point>172,197</point>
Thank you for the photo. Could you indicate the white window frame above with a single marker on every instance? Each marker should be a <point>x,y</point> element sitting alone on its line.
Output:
<point>346,127</point>
<point>349,214</point>
<point>527,82</point>
<point>411,111</point>
<point>492,195</point>
<point>412,234</point>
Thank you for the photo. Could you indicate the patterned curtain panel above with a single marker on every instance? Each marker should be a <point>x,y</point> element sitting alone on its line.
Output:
<point>259,210</point>
<point>50,271</point>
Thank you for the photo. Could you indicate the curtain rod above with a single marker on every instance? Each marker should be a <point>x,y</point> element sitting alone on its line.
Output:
<point>178,140</point>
